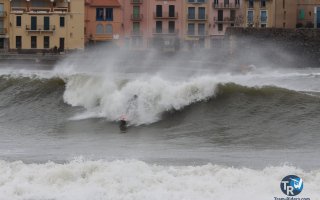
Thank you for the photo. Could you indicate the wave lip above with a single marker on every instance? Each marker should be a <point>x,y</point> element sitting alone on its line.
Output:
<point>132,179</point>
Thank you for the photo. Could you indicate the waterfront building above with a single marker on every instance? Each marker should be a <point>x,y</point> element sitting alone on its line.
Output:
<point>197,23</point>
<point>225,13</point>
<point>308,14</point>
<point>135,18</point>
<point>285,12</point>
<point>258,13</point>
<point>152,23</point>
<point>103,22</point>
<point>165,23</point>
<point>4,24</point>
<point>44,25</point>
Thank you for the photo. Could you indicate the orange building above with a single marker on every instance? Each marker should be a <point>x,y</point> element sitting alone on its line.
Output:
<point>103,22</point>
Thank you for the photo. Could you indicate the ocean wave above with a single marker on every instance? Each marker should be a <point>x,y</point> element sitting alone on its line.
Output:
<point>142,99</point>
<point>132,179</point>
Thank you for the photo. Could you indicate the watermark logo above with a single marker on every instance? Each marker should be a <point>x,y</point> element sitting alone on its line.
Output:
<point>291,185</point>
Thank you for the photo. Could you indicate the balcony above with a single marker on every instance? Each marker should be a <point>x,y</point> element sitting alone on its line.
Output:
<point>197,18</point>
<point>40,10</point>
<point>136,1</point>
<point>225,6</point>
<point>165,15</point>
<point>3,31</point>
<point>40,28</point>
<point>136,17</point>
<point>60,10</point>
<point>18,9</point>
<point>136,33</point>
<point>165,32</point>
<point>225,20</point>
<point>197,1</point>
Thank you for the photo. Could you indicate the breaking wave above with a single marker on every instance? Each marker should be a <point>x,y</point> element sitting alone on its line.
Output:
<point>143,100</point>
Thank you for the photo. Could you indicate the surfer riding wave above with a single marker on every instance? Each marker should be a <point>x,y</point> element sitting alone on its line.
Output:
<point>132,105</point>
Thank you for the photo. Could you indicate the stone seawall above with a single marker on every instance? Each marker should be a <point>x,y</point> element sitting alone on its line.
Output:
<point>298,47</point>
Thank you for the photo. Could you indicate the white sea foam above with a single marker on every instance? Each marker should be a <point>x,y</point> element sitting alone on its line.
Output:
<point>131,179</point>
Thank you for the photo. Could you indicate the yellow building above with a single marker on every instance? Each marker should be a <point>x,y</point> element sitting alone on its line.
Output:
<point>258,13</point>
<point>285,12</point>
<point>4,22</point>
<point>43,25</point>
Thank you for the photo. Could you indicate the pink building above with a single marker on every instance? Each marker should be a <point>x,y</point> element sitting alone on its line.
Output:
<point>152,23</point>
<point>224,13</point>
<point>103,22</point>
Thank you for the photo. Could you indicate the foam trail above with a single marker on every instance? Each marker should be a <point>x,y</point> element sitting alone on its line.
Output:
<point>132,179</point>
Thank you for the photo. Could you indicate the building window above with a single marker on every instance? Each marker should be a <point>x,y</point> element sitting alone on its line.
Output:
<point>62,21</point>
<point>262,3</point>
<point>18,42</point>
<point>284,4</point>
<point>99,29</point>
<point>172,26</point>
<point>251,3</point>
<point>136,12</point>
<point>232,15</point>
<point>136,28</point>
<point>61,43</point>
<point>109,29</point>
<point>159,10</point>
<point>1,43</point>
<point>33,42</point>
<point>191,13</point>
<point>250,17</point>
<point>220,15</point>
<point>201,29</point>
<point>99,14</point>
<point>237,2</point>
<point>220,27</point>
<point>226,3</point>
<point>301,14</point>
<point>18,20</point>
<point>171,11</point>
<point>191,29</point>
<point>158,26</point>
<point>46,23</point>
<point>33,23</point>
<point>109,14</point>
<point>318,17</point>
<point>284,15</point>
<point>263,17</point>
<point>46,42</point>
<point>202,13</point>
